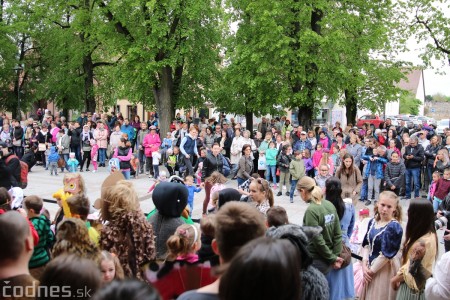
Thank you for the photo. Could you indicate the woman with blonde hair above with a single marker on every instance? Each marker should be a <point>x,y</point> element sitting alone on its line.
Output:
<point>127,233</point>
<point>442,160</point>
<point>327,246</point>
<point>380,247</point>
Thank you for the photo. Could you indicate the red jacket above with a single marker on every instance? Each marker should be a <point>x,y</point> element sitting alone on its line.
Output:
<point>151,143</point>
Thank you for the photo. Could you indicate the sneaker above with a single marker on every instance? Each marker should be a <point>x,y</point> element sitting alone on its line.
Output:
<point>367,203</point>
<point>150,176</point>
<point>275,186</point>
<point>291,200</point>
<point>81,170</point>
<point>287,194</point>
<point>87,170</point>
<point>405,198</point>
<point>94,171</point>
<point>279,194</point>
<point>146,173</point>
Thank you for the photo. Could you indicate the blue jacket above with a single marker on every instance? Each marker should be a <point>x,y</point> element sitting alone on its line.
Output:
<point>302,145</point>
<point>128,129</point>
<point>54,156</point>
<point>379,166</point>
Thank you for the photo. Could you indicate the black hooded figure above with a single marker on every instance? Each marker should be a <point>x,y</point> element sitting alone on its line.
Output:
<point>170,200</point>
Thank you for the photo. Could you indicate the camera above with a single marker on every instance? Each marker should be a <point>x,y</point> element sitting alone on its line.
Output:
<point>441,221</point>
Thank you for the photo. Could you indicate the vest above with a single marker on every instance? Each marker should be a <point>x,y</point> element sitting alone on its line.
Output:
<point>124,152</point>
<point>189,145</point>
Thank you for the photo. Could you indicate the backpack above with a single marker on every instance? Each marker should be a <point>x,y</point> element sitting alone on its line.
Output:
<point>226,166</point>
<point>23,180</point>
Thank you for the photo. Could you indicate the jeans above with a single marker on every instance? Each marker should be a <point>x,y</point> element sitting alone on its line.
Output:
<point>126,174</point>
<point>240,181</point>
<point>430,169</point>
<point>141,156</point>
<point>188,163</point>
<point>156,171</point>
<point>436,203</point>
<point>18,150</point>
<point>373,184</point>
<point>413,174</point>
<point>77,150</point>
<point>293,186</point>
<point>364,190</point>
<point>271,171</point>
<point>101,155</point>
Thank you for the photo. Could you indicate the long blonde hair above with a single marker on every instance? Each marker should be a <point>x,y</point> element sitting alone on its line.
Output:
<point>444,153</point>
<point>118,199</point>
<point>309,186</point>
<point>398,210</point>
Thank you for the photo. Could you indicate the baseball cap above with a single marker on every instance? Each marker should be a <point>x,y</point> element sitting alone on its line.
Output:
<point>383,130</point>
<point>153,127</point>
<point>303,132</point>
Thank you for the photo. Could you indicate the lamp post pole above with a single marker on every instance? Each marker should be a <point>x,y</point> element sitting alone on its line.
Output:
<point>18,69</point>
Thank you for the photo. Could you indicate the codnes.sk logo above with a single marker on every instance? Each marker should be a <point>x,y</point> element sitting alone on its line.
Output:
<point>8,291</point>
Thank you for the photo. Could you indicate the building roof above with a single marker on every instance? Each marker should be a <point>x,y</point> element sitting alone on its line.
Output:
<point>412,82</point>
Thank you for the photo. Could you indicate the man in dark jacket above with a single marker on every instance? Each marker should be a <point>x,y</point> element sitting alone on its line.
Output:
<point>30,157</point>
<point>9,168</point>
<point>414,156</point>
<point>75,140</point>
<point>17,135</point>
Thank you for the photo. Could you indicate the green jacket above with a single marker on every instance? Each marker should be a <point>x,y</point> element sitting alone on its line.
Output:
<point>328,245</point>
<point>41,252</point>
<point>297,169</point>
<point>271,157</point>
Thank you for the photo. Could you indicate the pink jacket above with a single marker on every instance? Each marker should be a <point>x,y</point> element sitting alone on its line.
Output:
<point>151,143</point>
<point>101,136</point>
<point>54,133</point>
<point>317,156</point>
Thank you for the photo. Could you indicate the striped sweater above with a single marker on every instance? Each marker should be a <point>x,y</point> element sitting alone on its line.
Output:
<point>40,255</point>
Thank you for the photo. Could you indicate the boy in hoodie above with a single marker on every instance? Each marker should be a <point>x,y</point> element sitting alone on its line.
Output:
<point>53,160</point>
<point>33,206</point>
<point>394,173</point>
<point>297,170</point>
<point>374,172</point>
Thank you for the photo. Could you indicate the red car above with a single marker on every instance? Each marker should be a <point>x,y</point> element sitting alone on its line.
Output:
<point>371,119</point>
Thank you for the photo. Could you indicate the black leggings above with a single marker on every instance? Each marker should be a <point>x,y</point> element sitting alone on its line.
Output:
<point>86,156</point>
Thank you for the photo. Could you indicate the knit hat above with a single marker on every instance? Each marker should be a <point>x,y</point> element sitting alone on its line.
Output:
<point>170,198</point>
<point>227,195</point>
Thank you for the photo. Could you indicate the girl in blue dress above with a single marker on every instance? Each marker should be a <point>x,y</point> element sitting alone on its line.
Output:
<point>340,281</point>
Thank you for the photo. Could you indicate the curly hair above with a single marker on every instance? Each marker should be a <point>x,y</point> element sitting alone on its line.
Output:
<point>216,177</point>
<point>72,237</point>
<point>118,199</point>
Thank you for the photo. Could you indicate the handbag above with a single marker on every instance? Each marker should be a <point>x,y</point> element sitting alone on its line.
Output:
<point>42,147</point>
<point>61,162</point>
<point>262,163</point>
<point>345,254</point>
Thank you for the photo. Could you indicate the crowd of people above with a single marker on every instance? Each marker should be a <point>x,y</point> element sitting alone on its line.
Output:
<point>243,246</point>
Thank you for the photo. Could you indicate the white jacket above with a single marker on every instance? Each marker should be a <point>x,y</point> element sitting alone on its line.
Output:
<point>438,286</point>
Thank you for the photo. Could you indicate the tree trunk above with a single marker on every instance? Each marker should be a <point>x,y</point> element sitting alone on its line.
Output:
<point>249,121</point>
<point>164,100</point>
<point>89,98</point>
<point>305,116</point>
<point>350,106</point>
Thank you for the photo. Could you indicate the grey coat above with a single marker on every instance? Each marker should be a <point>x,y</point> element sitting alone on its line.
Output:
<point>245,167</point>
<point>65,143</point>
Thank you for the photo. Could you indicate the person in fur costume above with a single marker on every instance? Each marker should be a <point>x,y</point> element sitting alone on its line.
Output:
<point>127,234</point>
<point>314,283</point>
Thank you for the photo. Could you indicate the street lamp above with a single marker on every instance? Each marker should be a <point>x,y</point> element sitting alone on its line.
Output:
<point>18,69</point>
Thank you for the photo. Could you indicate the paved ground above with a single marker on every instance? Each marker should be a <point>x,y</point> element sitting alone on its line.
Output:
<point>42,184</point>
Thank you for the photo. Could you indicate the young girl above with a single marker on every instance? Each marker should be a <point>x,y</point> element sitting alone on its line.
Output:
<point>217,180</point>
<point>110,267</point>
<point>72,163</point>
<point>124,153</point>
<point>327,160</point>
<point>392,148</point>
<point>156,157</point>
<point>284,160</point>
<point>309,167</point>
<point>432,188</point>
<point>336,157</point>
<point>271,163</point>
<point>317,156</point>
<point>183,245</point>
<point>381,244</point>
<point>94,155</point>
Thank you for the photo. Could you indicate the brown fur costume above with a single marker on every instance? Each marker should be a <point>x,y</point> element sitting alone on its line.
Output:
<point>128,234</point>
